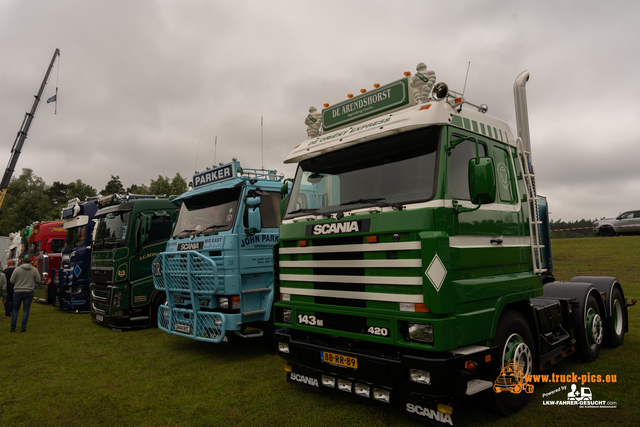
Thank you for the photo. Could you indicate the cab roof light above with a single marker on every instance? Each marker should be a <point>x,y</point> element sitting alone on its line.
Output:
<point>350,96</point>
<point>376,85</point>
<point>407,73</point>
<point>363,91</point>
<point>326,105</point>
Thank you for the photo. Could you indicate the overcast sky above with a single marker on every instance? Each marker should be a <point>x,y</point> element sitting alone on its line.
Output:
<point>145,86</point>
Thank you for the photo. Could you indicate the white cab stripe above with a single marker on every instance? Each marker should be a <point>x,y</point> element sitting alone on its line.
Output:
<point>373,263</point>
<point>367,296</point>
<point>369,247</point>
<point>367,280</point>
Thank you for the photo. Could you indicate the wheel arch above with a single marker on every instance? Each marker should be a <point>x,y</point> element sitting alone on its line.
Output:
<point>606,285</point>
<point>578,292</point>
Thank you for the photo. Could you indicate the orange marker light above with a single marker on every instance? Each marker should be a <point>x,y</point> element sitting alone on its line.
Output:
<point>421,308</point>
<point>426,107</point>
<point>376,85</point>
<point>302,243</point>
<point>363,90</point>
<point>372,239</point>
<point>350,95</point>
<point>326,105</point>
<point>407,73</point>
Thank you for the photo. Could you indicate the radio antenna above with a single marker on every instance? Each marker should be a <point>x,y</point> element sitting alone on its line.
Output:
<point>262,139</point>
<point>465,78</point>
<point>195,167</point>
<point>215,150</point>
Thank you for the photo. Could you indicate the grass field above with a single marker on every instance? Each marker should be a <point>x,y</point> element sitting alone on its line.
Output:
<point>65,370</point>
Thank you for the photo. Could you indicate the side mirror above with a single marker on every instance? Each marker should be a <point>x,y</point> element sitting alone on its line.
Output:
<point>482,180</point>
<point>253,212</point>
<point>142,234</point>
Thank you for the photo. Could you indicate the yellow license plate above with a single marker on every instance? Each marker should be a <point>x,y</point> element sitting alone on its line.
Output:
<point>340,360</point>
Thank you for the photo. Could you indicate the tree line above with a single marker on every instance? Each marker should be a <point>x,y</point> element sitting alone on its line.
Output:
<point>30,199</point>
<point>585,227</point>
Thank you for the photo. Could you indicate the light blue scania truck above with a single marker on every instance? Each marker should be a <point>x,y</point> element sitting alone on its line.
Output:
<point>217,270</point>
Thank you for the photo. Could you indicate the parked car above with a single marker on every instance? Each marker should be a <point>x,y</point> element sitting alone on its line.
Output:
<point>625,223</point>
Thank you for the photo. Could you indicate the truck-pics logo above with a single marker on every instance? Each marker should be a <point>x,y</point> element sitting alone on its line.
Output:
<point>345,227</point>
<point>511,379</point>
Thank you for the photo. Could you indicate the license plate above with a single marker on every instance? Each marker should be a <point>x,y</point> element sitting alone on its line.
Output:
<point>178,299</point>
<point>338,359</point>
<point>99,317</point>
<point>185,329</point>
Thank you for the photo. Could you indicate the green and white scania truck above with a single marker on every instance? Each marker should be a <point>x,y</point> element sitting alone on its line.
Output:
<point>421,268</point>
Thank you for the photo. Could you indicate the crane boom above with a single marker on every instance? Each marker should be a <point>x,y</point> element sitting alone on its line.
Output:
<point>22,134</point>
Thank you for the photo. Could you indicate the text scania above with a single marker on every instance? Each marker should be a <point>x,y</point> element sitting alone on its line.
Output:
<point>336,227</point>
<point>259,238</point>
<point>304,379</point>
<point>431,413</point>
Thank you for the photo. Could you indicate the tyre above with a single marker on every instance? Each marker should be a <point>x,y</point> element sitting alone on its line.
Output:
<point>607,232</point>
<point>515,344</point>
<point>153,315</point>
<point>590,339</point>
<point>615,324</point>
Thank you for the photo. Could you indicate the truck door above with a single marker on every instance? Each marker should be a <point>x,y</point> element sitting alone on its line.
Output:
<point>256,256</point>
<point>475,238</point>
<point>140,264</point>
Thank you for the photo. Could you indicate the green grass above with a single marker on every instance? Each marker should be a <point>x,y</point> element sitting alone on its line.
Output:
<point>65,370</point>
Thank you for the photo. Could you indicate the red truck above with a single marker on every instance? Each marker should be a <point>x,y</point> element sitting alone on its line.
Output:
<point>45,247</point>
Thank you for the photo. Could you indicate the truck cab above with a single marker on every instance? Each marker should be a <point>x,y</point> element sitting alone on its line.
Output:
<point>130,232</point>
<point>217,270</point>
<point>71,281</point>
<point>45,246</point>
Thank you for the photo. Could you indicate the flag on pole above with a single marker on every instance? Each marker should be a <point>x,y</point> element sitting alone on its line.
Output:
<point>52,99</point>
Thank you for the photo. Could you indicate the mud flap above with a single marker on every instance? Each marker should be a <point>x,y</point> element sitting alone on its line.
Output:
<point>425,408</point>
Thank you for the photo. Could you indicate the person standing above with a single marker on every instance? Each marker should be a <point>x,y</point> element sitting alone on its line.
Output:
<point>8,303</point>
<point>3,289</point>
<point>24,279</point>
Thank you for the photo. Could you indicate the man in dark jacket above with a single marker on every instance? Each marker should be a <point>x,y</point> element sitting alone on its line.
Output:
<point>8,304</point>
<point>24,279</point>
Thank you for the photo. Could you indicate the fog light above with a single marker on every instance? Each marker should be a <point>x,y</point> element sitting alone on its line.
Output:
<point>283,347</point>
<point>382,395</point>
<point>116,299</point>
<point>344,385</point>
<point>217,320</point>
<point>287,315</point>
<point>422,332</point>
<point>420,376</point>
<point>362,390</point>
<point>328,381</point>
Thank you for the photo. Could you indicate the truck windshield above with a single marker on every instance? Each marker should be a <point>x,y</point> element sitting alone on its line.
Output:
<point>112,230</point>
<point>207,213</point>
<point>386,172</point>
<point>75,236</point>
<point>57,245</point>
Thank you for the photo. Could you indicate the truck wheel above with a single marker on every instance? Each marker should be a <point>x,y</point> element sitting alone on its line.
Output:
<point>590,339</point>
<point>153,316</point>
<point>616,322</point>
<point>515,346</point>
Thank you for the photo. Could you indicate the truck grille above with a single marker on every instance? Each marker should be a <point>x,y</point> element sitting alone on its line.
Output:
<point>101,275</point>
<point>347,271</point>
<point>185,272</point>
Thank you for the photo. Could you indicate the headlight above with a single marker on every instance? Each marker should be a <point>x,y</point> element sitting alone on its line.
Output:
<point>117,295</point>
<point>225,302</point>
<point>287,315</point>
<point>283,347</point>
<point>420,376</point>
<point>421,332</point>
<point>157,269</point>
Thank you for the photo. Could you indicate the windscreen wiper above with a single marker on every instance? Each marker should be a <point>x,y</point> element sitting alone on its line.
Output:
<point>303,210</point>
<point>210,227</point>
<point>377,202</point>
